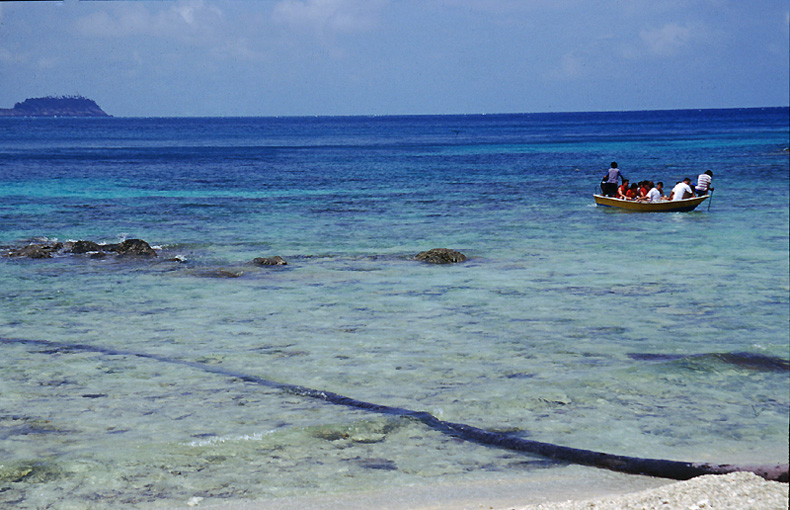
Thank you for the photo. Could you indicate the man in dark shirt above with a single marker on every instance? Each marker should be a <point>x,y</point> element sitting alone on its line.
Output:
<point>609,184</point>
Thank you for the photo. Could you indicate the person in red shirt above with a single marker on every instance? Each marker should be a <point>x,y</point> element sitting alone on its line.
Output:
<point>632,193</point>
<point>643,189</point>
<point>622,190</point>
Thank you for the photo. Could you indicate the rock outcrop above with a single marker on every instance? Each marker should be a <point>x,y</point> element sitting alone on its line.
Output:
<point>270,261</point>
<point>45,250</point>
<point>80,247</point>
<point>132,247</point>
<point>36,251</point>
<point>440,256</point>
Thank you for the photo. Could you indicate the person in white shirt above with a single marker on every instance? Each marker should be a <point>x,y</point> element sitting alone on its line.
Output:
<point>653,195</point>
<point>682,190</point>
<point>703,183</point>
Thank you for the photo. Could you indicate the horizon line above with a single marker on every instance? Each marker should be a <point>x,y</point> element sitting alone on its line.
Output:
<point>383,115</point>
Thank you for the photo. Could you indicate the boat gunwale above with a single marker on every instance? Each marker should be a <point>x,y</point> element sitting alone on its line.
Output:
<point>685,205</point>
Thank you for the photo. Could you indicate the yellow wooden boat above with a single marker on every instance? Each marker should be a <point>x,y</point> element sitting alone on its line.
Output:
<point>686,205</point>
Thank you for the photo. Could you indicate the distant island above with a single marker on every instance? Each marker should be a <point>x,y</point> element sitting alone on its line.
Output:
<point>63,106</point>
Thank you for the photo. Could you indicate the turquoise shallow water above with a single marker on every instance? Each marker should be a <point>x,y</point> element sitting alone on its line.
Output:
<point>570,324</point>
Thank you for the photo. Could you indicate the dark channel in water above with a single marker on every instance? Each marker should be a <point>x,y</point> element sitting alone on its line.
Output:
<point>634,465</point>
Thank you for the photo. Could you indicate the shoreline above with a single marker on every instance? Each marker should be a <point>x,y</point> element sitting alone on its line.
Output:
<point>737,491</point>
<point>574,488</point>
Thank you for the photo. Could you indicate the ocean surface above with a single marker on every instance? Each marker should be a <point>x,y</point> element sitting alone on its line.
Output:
<point>132,381</point>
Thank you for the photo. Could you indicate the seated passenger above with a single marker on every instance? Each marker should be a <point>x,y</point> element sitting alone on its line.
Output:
<point>660,188</point>
<point>682,190</point>
<point>653,194</point>
<point>622,190</point>
<point>632,193</point>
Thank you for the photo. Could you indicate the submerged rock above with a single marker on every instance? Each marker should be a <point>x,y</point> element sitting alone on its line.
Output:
<point>440,256</point>
<point>217,273</point>
<point>377,463</point>
<point>746,360</point>
<point>30,472</point>
<point>270,261</point>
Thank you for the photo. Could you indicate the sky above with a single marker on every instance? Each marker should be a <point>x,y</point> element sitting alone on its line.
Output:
<point>172,58</point>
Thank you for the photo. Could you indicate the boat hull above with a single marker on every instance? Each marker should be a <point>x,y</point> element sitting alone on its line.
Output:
<point>664,206</point>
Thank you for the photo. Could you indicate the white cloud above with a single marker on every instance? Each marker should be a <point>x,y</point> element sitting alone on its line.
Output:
<point>186,20</point>
<point>48,62</point>
<point>570,66</point>
<point>230,33</point>
<point>668,39</point>
<point>239,49</point>
<point>505,7</point>
<point>344,16</point>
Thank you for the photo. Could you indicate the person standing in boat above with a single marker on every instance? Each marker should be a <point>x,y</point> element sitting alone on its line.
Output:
<point>609,184</point>
<point>703,183</point>
<point>682,190</point>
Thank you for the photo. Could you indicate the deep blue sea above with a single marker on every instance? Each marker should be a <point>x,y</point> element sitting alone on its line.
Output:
<point>628,333</point>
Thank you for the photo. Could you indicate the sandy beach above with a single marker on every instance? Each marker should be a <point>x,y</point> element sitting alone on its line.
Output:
<point>736,491</point>
<point>609,491</point>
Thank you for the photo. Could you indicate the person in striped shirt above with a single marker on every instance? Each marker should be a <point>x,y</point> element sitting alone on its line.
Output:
<point>703,183</point>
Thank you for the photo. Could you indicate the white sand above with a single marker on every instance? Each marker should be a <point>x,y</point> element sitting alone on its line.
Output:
<point>736,491</point>
<point>606,491</point>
